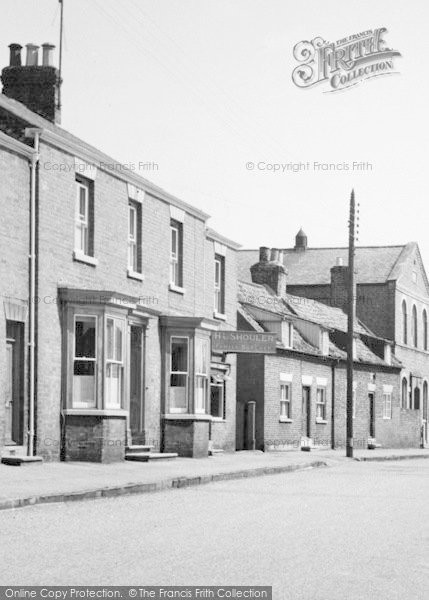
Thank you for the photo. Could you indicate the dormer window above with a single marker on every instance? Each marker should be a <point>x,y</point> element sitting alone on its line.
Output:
<point>287,334</point>
<point>324,342</point>
<point>388,354</point>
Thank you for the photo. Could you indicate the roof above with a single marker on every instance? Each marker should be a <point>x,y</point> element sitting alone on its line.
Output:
<point>322,314</point>
<point>260,297</point>
<point>374,264</point>
<point>65,140</point>
<point>263,298</point>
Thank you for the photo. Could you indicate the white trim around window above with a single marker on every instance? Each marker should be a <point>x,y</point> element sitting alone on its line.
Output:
<point>285,402</point>
<point>84,375</point>
<point>178,398</point>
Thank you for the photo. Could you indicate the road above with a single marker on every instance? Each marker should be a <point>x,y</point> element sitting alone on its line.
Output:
<point>352,531</point>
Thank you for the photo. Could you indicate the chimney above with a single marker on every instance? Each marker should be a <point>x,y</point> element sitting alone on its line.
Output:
<point>32,55</point>
<point>34,85</point>
<point>300,241</point>
<point>339,286</point>
<point>270,271</point>
<point>15,55</point>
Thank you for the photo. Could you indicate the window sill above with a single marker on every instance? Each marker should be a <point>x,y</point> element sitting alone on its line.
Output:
<point>285,420</point>
<point>321,421</point>
<point>96,412</point>
<point>84,258</point>
<point>176,288</point>
<point>220,316</point>
<point>218,420</point>
<point>387,418</point>
<point>186,417</point>
<point>135,275</point>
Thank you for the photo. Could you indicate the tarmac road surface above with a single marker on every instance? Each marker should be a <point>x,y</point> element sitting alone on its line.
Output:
<point>352,531</point>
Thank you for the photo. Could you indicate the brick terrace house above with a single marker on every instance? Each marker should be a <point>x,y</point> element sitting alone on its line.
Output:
<point>392,300</point>
<point>113,285</point>
<point>300,392</point>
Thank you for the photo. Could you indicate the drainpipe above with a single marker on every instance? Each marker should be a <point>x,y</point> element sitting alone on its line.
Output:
<point>35,134</point>
<point>334,364</point>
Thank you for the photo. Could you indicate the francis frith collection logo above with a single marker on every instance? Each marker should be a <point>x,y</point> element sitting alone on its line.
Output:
<point>345,63</point>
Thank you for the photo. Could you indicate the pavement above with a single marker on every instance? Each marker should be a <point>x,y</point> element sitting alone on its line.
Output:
<point>70,481</point>
<point>356,531</point>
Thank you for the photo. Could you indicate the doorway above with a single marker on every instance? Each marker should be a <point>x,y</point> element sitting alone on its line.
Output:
<point>137,385</point>
<point>371,401</point>
<point>14,434</point>
<point>306,411</point>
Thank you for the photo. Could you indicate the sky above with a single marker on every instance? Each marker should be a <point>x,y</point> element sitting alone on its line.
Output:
<point>204,87</point>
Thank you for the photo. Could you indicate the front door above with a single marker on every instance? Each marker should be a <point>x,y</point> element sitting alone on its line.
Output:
<point>14,397</point>
<point>371,415</point>
<point>137,385</point>
<point>306,415</point>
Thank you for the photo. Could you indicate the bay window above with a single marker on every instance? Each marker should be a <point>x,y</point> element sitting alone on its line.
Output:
<point>84,362</point>
<point>114,362</point>
<point>179,373</point>
<point>201,375</point>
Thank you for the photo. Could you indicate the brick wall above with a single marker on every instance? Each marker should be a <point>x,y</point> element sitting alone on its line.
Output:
<point>279,434</point>
<point>58,269</point>
<point>14,250</point>
<point>399,431</point>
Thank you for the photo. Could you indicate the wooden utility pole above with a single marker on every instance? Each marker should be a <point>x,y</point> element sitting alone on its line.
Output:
<point>61,53</point>
<point>351,310</point>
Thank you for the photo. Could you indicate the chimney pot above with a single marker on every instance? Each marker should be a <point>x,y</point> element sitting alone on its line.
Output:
<point>264,254</point>
<point>281,256</point>
<point>48,55</point>
<point>339,261</point>
<point>32,55</point>
<point>274,255</point>
<point>15,55</point>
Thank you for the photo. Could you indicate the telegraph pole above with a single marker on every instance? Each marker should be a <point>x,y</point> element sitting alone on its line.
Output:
<point>61,52</point>
<point>351,310</point>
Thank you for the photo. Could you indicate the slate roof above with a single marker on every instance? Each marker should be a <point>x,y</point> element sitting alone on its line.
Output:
<point>374,264</point>
<point>262,297</point>
<point>251,295</point>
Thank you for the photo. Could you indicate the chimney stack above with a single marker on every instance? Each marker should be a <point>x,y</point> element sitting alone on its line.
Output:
<point>32,55</point>
<point>15,55</point>
<point>270,271</point>
<point>339,285</point>
<point>36,86</point>
<point>48,55</point>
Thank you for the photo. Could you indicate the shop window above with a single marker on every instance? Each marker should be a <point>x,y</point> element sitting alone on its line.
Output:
<point>84,362</point>
<point>217,397</point>
<point>179,373</point>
